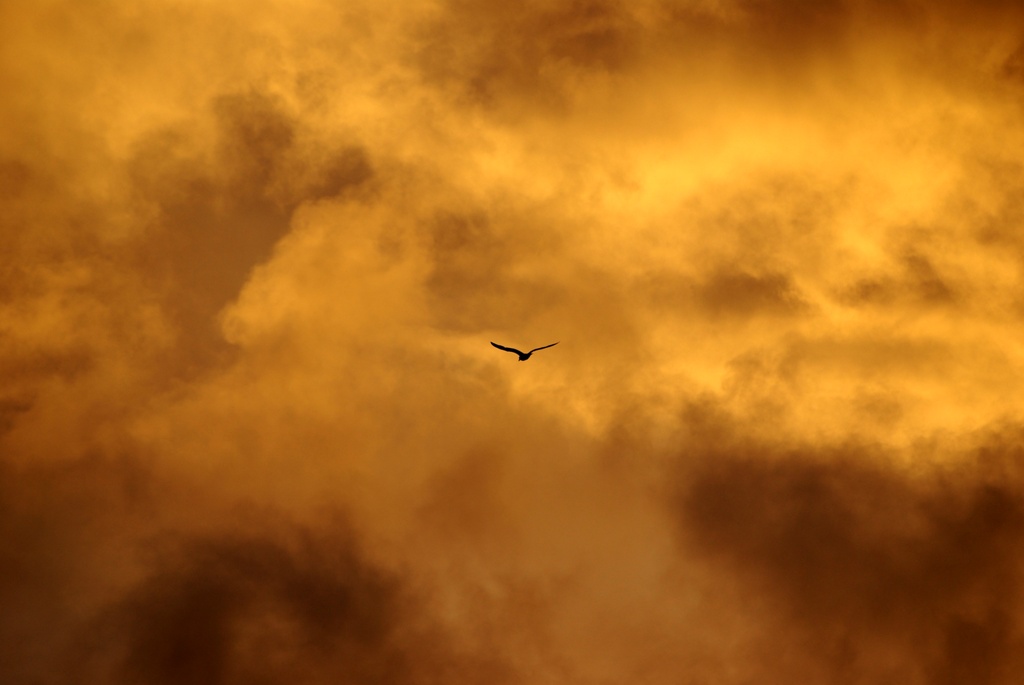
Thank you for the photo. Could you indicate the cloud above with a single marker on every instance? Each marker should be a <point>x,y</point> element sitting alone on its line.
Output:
<point>886,570</point>
<point>252,258</point>
<point>236,593</point>
<point>253,608</point>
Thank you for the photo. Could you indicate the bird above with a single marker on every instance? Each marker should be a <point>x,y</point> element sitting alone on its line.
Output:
<point>523,356</point>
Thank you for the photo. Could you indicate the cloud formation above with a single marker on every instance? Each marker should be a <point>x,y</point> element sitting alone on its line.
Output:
<point>890,575</point>
<point>251,428</point>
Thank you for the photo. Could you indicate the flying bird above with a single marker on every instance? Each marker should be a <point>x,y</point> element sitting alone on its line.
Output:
<point>523,356</point>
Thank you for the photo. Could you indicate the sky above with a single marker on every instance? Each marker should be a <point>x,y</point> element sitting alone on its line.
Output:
<point>252,255</point>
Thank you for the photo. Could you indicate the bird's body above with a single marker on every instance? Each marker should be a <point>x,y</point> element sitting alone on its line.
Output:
<point>523,356</point>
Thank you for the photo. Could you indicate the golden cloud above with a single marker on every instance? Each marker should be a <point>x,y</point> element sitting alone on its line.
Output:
<point>252,428</point>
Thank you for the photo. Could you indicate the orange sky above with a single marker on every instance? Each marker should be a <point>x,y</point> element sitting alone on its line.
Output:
<point>252,255</point>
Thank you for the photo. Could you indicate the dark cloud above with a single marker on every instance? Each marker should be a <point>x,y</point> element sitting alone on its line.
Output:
<point>470,259</point>
<point>254,609</point>
<point>996,223</point>
<point>726,295</point>
<point>251,599</point>
<point>219,213</point>
<point>744,294</point>
<point>860,556</point>
<point>124,260</point>
<point>536,56</point>
<point>492,54</point>
<point>477,279</point>
<point>61,526</point>
<point>254,135</point>
<point>1013,67</point>
<point>918,283</point>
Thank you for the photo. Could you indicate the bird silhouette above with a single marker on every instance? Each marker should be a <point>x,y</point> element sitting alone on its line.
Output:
<point>523,356</point>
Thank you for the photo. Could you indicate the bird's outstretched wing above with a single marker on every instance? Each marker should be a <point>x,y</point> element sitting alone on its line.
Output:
<point>507,349</point>
<point>541,348</point>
